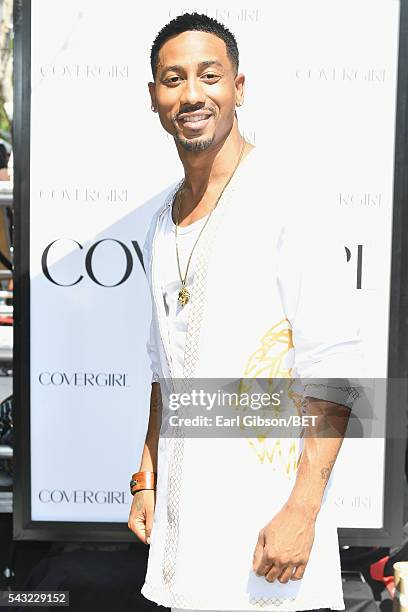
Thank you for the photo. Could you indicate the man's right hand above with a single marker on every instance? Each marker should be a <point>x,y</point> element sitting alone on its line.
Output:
<point>141,514</point>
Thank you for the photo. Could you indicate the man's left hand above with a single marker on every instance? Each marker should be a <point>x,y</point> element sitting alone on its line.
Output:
<point>284,545</point>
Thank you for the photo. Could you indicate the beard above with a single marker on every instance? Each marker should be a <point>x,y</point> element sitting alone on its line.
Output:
<point>194,145</point>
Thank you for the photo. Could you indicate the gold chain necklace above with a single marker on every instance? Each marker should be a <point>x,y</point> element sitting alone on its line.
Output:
<point>184,293</point>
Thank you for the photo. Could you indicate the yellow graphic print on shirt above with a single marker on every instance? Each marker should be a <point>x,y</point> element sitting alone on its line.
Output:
<point>272,360</point>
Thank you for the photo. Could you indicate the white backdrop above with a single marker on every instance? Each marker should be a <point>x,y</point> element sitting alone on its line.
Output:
<point>324,74</point>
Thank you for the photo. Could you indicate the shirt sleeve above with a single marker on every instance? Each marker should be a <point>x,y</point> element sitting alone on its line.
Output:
<point>153,354</point>
<point>319,302</point>
<point>151,344</point>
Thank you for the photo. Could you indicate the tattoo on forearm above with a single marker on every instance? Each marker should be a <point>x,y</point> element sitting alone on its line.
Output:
<point>326,471</point>
<point>156,408</point>
<point>156,403</point>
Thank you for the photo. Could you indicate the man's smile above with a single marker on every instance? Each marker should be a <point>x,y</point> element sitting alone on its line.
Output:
<point>194,121</point>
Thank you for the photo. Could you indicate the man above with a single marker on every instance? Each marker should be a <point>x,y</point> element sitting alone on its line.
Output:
<point>236,284</point>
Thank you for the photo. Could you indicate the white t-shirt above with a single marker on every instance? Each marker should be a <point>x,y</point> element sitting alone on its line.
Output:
<point>177,315</point>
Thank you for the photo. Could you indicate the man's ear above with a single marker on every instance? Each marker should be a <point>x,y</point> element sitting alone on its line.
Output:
<point>152,91</point>
<point>239,89</point>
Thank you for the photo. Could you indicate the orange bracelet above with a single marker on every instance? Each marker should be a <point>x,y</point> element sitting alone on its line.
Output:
<point>141,481</point>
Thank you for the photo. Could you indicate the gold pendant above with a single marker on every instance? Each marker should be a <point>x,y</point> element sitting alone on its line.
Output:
<point>184,295</point>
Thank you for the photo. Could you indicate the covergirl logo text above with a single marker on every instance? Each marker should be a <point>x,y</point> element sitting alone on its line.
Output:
<point>129,254</point>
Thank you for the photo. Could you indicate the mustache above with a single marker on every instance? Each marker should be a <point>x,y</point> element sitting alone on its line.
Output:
<point>192,108</point>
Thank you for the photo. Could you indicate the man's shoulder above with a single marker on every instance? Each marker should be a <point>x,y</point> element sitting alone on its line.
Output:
<point>163,201</point>
<point>165,198</point>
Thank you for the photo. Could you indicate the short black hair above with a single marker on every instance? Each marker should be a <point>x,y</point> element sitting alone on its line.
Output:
<point>194,22</point>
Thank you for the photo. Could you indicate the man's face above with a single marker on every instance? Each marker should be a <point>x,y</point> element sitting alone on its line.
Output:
<point>196,90</point>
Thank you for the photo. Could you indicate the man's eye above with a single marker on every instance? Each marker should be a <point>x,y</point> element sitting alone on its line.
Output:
<point>172,80</point>
<point>210,75</point>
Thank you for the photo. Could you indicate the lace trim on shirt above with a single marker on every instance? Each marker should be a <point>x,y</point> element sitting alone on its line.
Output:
<point>190,360</point>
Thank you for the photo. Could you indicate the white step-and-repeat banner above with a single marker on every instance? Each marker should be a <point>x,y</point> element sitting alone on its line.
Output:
<point>320,93</point>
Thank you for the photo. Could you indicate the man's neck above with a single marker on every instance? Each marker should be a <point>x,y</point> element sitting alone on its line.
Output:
<point>207,170</point>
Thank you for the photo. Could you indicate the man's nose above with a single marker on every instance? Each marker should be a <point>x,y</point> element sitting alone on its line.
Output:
<point>193,92</point>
